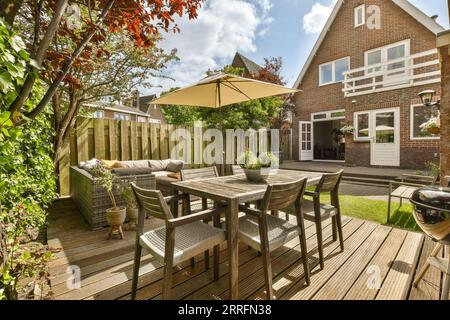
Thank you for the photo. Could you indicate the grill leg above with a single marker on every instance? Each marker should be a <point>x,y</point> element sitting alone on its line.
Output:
<point>426,266</point>
<point>446,280</point>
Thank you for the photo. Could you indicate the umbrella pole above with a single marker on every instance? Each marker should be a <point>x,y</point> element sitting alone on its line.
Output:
<point>222,165</point>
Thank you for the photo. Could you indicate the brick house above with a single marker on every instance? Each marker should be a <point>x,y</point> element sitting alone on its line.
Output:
<point>136,109</point>
<point>250,67</point>
<point>370,62</point>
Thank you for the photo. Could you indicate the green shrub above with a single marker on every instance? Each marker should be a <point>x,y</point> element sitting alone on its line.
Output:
<point>27,184</point>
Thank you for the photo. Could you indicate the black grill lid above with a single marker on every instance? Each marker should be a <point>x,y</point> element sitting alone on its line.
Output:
<point>434,198</point>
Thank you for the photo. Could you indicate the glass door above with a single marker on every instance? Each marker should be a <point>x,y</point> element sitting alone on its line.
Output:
<point>385,146</point>
<point>305,135</point>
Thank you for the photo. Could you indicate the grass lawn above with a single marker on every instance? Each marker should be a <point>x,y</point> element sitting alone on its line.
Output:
<point>376,210</point>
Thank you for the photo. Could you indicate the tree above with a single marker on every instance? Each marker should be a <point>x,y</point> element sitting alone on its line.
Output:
<point>140,20</point>
<point>126,68</point>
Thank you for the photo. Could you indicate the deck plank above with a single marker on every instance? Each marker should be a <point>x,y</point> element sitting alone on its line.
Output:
<point>398,281</point>
<point>106,265</point>
<point>382,259</point>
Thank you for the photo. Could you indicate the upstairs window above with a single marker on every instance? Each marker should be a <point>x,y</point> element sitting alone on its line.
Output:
<point>360,17</point>
<point>121,116</point>
<point>332,72</point>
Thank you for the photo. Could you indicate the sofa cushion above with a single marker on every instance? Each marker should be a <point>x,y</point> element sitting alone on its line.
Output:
<point>89,165</point>
<point>175,165</point>
<point>134,164</point>
<point>131,171</point>
<point>110,164</point>
<point>158,165</point>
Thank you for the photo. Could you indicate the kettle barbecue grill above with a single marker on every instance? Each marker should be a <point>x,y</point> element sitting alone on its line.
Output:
<point>432,214</point>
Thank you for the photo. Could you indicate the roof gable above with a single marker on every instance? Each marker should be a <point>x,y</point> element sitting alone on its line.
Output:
<point>413,11</point>
<point>251,66</point>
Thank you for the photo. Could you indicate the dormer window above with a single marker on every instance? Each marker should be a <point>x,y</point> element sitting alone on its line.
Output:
<point>360,16</point>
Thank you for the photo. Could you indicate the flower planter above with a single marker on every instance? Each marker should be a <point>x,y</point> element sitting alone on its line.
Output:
<point>257,175</point>
<point>132,214</point>
<point>434,130</point>
<point>116,218</point>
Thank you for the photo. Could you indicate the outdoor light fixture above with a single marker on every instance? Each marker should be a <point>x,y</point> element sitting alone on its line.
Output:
<point>427,97</point>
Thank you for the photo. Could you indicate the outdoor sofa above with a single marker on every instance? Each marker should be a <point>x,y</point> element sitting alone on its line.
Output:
<point>91,198</point>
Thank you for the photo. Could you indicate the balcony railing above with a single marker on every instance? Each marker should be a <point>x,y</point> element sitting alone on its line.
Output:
<point>415,70</point>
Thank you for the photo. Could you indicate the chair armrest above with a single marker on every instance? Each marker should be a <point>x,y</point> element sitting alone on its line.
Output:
<point>248,210</point>
<point>176,197</point>
<point>206,214</point>
<point>313,194</point>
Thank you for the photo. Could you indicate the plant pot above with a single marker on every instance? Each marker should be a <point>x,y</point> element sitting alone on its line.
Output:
<point>132,214</point>
<point>116,216</point>
<point>434,130</point>
<point>257,175</point>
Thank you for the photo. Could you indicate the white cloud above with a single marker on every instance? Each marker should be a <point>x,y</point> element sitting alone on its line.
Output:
<point>316,18</point>
<point>210,41</point>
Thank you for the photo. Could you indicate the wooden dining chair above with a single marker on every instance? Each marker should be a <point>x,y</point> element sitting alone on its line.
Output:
<point>236,169</point>
<point>178,240</point>
<point>196,204</point>
<point>317,212</point>
<point>265,232</point>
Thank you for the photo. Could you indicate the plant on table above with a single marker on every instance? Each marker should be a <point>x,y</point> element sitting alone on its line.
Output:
<point>433,125</point>
<point>115,215</point>
<point>257,168</point>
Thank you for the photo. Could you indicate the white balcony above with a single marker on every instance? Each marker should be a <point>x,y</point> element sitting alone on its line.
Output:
<point>415,70</point>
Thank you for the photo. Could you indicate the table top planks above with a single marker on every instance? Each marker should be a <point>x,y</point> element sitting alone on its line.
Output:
<point>238,187</point>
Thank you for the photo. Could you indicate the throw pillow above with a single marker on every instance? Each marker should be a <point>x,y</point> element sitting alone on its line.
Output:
<point>175,165</point>
<point>175,175</point>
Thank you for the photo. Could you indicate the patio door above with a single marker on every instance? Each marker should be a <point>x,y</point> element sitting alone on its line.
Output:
<point>385,137</point>
<point>305,137</point>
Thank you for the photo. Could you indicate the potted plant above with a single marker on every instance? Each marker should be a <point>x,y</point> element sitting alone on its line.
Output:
<point>258,169</point>
<point>115,215</point>
<point>132,207</point>
<point>433,125</point>
<point>347,130</point>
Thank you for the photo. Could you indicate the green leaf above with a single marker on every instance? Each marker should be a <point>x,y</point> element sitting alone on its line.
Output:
<point>35,64</point>
<point>5,82</point>
<point>17,43</point>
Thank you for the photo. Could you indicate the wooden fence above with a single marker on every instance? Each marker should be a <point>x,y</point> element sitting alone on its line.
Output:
<point>127,140</point>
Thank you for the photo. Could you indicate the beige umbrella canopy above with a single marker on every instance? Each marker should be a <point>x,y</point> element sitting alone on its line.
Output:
<point>221,90</point>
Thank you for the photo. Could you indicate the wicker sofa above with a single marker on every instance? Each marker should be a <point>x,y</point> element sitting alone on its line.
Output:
<point>92,200</point>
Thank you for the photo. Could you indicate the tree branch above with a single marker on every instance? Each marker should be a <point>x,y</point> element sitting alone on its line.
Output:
<point>39,56</point>
<point>68,64</point>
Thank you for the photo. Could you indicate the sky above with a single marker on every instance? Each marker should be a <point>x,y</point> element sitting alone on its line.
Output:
<point>258,29</point>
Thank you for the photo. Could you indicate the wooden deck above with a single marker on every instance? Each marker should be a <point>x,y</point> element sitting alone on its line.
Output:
<point>370,250</point>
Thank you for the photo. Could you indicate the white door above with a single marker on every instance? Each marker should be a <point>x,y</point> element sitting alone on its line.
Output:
<point>305,137</point>
<point>385,137</point>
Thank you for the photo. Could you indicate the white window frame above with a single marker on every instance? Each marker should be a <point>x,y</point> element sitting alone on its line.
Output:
<point>98,114</point>
<point>355,121</point>
<point>327,115</point>
<point>363,8</point>
<point>333,71</point>
<point>141,119</point>
<point>384,51</point>
<point>155,121</point>
<point>411,125</point>
<point>121,116</point>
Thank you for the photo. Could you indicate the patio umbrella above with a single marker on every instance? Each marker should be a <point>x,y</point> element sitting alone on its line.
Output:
<point>221,90</point>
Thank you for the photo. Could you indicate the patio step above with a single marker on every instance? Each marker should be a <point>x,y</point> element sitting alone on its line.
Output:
<point>367,181</point>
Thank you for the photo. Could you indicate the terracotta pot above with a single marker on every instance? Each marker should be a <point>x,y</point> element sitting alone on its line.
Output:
<point>257,175</point>
<point>434,130</point>
<point>116,216</point>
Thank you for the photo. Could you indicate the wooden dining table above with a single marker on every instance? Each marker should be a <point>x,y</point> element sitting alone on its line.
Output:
<point>234,190</point>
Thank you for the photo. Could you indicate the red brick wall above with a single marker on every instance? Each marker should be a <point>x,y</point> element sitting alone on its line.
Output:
<point>344,40</point>
<point>445,111</point>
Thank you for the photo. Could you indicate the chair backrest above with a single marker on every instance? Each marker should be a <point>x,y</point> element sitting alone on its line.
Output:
<point>152,201</point>
<point>200,173</point>
<point>236,169</point>
<point>283,195</point>
<point>330,182</point>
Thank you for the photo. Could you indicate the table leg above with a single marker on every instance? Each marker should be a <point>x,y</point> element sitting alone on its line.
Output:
<point>233,246</point>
